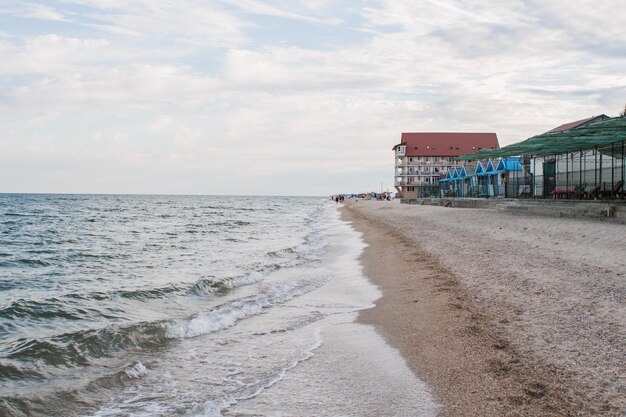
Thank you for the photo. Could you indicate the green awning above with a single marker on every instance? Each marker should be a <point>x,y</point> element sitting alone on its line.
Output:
<point>607,136</point>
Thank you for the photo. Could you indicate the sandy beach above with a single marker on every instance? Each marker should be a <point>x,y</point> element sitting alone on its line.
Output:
<point>501,314</point>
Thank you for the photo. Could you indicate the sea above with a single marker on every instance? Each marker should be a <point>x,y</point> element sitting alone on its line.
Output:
<point>140,305</point>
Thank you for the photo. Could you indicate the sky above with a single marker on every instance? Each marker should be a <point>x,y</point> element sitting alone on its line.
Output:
<point>284,97</point>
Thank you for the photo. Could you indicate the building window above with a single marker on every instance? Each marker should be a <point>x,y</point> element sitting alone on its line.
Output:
<point>410,188</point>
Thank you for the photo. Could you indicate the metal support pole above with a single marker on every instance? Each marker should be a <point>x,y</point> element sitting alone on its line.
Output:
<point>612,166</point>
<point>534,177</point>
<point>585,166</point>
<point>595,168</point>
<point>580,172</point>
<point>601,185</point>
<point>566,171</point>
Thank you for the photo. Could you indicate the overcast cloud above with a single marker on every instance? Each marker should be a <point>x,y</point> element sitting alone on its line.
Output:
<point>284,97</point>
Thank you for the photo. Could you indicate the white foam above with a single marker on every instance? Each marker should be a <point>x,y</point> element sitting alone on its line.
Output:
<point>216,407</point>
<point>251,278</point>
<point>212,408</point>
<point>229,314</point>
<point>138,370</point>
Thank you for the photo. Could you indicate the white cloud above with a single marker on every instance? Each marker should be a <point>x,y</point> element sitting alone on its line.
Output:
<point>190,21</point>
<point>32,11</point>
<point>188,136</point>
<point>51,54</point>
<point>133,86</point>
<point>585,24</point>
<point>299,10</point>
<point>297,69</point>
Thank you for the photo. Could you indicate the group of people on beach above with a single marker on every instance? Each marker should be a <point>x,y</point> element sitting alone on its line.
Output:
<point>339,199</point>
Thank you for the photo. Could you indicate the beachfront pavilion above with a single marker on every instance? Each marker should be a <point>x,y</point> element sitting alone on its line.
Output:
<point>451,185</point>
<point>489,179</point>
<point>587,162</point>
<point>507,170</point>
<point>462,181</point>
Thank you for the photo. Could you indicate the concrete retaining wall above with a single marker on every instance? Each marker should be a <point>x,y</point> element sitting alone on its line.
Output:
<point>612,211</point>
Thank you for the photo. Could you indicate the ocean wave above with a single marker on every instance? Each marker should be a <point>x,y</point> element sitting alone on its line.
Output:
<point>15,371</point>
<point>282,252</point>
<point>83,255</point>
<point>125,374</point>
<point>312,245</point>
<point>52,308</point>
<point>79,349</point>
<point>149,294</point>
<point>297,323</point>
<point>229,224</point>
<point>206,286</point>
<point>75,306</point>
<point>227,315</point>
<point>30,262</point>
<point>81,400</point>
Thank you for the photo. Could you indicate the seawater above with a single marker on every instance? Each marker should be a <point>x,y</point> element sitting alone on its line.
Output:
<point>191,306</point>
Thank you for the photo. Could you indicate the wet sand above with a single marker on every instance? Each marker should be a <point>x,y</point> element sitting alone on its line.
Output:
<point>499,314</point>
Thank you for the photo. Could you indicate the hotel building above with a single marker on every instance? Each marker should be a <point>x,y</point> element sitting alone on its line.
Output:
<point>421,159</point>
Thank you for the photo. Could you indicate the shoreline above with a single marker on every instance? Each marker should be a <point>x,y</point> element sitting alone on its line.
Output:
<point>344,368</point>
<point>454,337</point>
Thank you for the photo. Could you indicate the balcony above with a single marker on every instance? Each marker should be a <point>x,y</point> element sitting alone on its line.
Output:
<point>416,162</point>
<point>403,182</point>
<point>402,173</point>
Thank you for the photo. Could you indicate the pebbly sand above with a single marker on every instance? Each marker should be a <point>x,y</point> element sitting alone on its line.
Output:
<point>501,314</point>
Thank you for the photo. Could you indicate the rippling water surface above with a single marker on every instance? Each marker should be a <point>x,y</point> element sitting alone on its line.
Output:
<point>173,305</point>
<point>90,284</point>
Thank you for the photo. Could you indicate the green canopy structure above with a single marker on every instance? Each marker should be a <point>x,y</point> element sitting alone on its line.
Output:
<point>584,162</point>
<point>608,136</point>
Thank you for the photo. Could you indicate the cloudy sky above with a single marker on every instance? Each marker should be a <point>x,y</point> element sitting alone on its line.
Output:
<point>284,96</point>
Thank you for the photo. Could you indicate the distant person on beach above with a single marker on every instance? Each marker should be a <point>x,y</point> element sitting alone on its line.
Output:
<point>337,199</point>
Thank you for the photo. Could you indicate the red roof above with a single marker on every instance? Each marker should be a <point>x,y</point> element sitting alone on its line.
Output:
<point>578,123</point>
<point>446,144</point>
